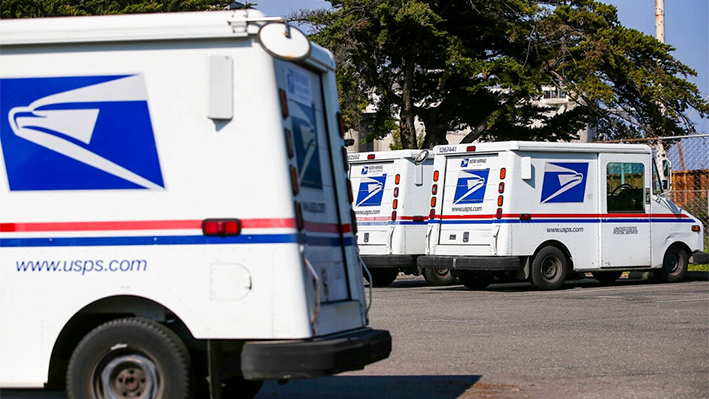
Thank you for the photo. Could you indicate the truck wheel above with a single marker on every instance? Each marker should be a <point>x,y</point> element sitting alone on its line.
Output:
<point>549,269</point>
<point>439,277</point>
<point>476,280</point>
<point>129,358</point>
<point>382,277</point>
<point>607,277</point>
<point>674,265</point>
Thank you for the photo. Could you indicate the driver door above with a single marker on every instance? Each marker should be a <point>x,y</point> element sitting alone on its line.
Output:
<point>625,210</point>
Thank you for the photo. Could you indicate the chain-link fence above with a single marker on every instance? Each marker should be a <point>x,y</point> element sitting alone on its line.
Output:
<point>689,156</point>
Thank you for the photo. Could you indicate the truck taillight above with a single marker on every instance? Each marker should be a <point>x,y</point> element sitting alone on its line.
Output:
<point>432,214</point>
<point>433,202</point>
<point>498,214</point>
<point>344,159</point>
<point>503,173</point>
<point>396,192</point>
<point>395,204</point>
<point>434,189</point>
<point>354,221</point>
<point>501,188</point>
<point>418,219</point>
<point>289,143</point>
<point>435,175</point>
<point>499,200</point>
<point>695,228</point>
<point>284,103</point>
<point>370,156</point>
<point>470,148</point>
<point>393,216</point>
<point>341,125</point>
<point>294,180</point>
<point>397,179</point>
<point>525,217</point>
<point>299,222</point>
<point>221,227</point>
<point>349,190</point>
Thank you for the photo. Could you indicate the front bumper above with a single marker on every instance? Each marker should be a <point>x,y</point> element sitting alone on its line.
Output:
<point>476,263</point>
<point>279,360</point>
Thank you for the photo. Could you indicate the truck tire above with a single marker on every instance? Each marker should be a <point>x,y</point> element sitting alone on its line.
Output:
<point>674,265</point>
<point>607,277</point>
<point>382,277</point>
<point>549,269</point>
<point>129,358</point>
<point>476,280</point>
<point>439,277</point>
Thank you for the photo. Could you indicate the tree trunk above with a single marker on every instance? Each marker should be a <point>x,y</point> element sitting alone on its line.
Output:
<point>435,132</point>
<point>406,115</point>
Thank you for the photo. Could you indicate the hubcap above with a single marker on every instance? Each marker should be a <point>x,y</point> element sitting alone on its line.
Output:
<point>442,272</point>
<point>129,376</point>
<point>550,268</point>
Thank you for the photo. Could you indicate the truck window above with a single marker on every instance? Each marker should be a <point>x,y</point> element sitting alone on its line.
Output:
<point>625,183</point>
<point>656,180</point>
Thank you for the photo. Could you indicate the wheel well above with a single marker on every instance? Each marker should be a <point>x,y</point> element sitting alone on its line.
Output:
<point>682,245</point>
<point>100,312</point>
<point>561,247</point>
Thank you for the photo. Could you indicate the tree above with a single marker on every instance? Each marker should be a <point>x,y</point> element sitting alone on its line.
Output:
<point>61,8</point>
<point>480,65</point>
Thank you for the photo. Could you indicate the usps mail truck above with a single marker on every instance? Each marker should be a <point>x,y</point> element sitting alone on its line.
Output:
<point>174,208</point>
<point>391,201</point>
<point>544,210</point>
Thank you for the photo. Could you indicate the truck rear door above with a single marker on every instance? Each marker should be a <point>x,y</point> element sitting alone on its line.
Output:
<point>372,185</point>
<point>469,196</point>
<point>324,242</point>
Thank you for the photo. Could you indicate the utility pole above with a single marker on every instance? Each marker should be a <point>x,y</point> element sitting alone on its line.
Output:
<point>660,20</point>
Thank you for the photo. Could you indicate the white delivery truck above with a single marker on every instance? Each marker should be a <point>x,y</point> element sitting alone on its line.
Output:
<point>174,206</point>
<point>391,201</point>
<point>543,210</point>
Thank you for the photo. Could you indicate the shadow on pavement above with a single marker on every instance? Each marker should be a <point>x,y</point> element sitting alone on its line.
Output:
<point>340,387</point>
<point>354,387</point>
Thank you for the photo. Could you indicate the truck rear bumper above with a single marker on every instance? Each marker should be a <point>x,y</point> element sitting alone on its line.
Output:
<point>389,261</point>
<point>276,360</point>
<point>700,258</point>
<point>479,263</point>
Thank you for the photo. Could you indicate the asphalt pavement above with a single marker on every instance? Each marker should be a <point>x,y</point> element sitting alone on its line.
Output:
<point>630,339</point>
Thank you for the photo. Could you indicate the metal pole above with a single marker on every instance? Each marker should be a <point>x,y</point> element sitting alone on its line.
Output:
<point>660,20</point>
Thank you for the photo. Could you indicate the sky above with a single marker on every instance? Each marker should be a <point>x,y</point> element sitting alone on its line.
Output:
<point>686,29</point>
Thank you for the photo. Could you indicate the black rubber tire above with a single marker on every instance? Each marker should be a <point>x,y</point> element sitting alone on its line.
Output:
<point>549,269</point>
<point>476,280</point>
<point>607,277</point>
<point>135,354</point>
<point>382,277</point>
<point>439,277</point>
<point>674,265</point>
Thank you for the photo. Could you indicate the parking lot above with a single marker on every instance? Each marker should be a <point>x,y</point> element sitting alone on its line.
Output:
<point>631,339</point>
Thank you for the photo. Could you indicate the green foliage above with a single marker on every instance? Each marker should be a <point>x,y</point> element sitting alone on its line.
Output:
<point>62,8</point>
<point>480,65</point>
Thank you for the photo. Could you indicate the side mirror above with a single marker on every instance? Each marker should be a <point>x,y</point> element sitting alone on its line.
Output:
<point>667,175</point>
<point>349,142</point>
